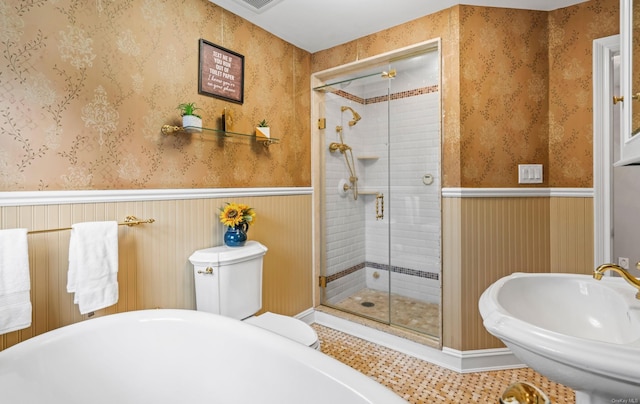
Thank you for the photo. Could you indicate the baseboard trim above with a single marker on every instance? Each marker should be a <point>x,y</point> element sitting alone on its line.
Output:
<point>308,316</point>
<point>458,361</point>
<point>483,360</point>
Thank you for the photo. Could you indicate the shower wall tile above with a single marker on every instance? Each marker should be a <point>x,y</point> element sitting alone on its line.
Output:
<point>344,236</point>
<point>353,233</point>
<point>345,287</point>
<point>422,289</point>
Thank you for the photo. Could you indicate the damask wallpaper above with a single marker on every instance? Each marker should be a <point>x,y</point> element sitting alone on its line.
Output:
<point>516,88</point>
<point>87,85</point>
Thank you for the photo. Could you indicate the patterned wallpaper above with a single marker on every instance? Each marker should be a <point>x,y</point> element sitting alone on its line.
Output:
<point>516,88</point>
<point>87,85</point>
<point>503,94</point>
<point>571,34</point>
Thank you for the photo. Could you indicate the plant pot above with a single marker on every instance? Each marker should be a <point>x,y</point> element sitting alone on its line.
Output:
<point>263,132</point>
<point>192,123</point>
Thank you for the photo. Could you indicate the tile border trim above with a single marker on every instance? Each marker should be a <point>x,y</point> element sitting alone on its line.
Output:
<point>383,267</point>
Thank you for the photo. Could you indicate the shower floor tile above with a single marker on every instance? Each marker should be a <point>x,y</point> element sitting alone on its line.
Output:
<point>418,381</point>
<point>406,312</point>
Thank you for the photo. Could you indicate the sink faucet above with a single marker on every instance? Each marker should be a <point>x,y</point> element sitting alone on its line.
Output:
<point>635,282</point>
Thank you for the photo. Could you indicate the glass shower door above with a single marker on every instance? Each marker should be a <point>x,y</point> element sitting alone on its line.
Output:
<point>356,237</point>
<point>414,194</point>
<point>381,221</point>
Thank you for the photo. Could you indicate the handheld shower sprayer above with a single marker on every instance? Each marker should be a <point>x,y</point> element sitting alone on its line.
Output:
<point>356,116</point>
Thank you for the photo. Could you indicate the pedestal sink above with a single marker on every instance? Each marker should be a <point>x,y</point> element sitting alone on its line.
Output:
<point>573,329</point>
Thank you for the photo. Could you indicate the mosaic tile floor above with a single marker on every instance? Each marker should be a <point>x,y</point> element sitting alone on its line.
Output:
<point>406,312</point>
<point>418,381</point>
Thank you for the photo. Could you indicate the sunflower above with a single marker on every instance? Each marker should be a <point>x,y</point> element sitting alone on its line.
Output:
<point>235,214</point>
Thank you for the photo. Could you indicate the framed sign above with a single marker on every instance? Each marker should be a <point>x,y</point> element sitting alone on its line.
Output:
<point>221,72</point>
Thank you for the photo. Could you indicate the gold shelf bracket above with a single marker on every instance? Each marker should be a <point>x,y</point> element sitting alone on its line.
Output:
<point>170,129</point>
<point>266,142</point>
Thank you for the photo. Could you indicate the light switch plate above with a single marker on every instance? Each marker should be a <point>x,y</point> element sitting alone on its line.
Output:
<point>530,174</point>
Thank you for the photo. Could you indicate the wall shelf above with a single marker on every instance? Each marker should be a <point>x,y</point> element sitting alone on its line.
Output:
<point>368,158</point>
<point>171,129</point>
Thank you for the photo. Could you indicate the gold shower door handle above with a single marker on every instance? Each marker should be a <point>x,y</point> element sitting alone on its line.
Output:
<point>617,99</point>
<point>379,206</point>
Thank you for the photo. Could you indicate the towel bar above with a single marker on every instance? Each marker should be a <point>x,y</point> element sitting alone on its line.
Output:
<point>128,221</point>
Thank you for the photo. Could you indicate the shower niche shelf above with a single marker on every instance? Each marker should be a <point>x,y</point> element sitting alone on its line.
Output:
<point>170,129</point>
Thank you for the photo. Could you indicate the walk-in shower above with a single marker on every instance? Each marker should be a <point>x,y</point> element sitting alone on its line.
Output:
<point>379,181</point>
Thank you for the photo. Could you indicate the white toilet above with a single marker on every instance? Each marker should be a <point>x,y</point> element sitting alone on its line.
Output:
<point>229,282</point>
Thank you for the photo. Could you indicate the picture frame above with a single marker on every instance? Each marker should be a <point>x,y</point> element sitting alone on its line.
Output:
<point>220,72</point>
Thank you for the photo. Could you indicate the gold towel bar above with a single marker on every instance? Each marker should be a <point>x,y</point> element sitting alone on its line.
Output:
<point>128,221</point>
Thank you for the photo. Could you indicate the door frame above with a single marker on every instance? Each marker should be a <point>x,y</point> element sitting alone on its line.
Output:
<point>604,49</point>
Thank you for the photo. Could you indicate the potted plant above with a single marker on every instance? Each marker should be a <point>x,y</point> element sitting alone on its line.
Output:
<point>190,119</point>
<point>263,129</point>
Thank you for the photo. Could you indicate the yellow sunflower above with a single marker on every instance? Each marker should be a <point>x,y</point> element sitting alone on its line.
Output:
<point>234,214</point>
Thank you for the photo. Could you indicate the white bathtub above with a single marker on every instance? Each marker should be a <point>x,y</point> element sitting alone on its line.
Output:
<point>176,356</point>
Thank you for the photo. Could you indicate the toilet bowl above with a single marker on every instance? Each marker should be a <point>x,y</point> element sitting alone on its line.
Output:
<point>228,282</point>
<point>286,326</point>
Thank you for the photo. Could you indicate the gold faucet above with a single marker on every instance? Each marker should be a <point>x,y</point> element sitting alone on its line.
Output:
<point>633,281</point>
<point>338,146</point>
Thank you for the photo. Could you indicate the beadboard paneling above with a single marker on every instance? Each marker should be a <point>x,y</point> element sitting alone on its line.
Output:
<point>485,239</point>
<point>499,236</point>
<point>572,235</point>
<point>154,270</point>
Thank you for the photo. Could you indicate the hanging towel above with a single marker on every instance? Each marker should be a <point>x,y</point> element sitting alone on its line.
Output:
<point>15,284</point>
<point>93,265</point>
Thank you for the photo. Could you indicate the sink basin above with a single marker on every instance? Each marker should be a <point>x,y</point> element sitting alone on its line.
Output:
<point>573,329</point>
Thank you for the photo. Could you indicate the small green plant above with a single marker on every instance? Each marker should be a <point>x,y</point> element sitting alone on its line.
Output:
<point>188,108</point>
<point>263,124</point>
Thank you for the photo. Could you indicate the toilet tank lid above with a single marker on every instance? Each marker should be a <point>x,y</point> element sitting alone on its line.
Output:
<point>222,255</point>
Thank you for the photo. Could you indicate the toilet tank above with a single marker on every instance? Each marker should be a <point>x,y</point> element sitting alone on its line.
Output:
<point>228,280</point>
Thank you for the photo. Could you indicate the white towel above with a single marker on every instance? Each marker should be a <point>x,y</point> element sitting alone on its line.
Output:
<point>15,284</point>
<point>93,265</point>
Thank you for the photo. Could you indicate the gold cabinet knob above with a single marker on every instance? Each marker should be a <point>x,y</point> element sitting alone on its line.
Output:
<point>617,99</point>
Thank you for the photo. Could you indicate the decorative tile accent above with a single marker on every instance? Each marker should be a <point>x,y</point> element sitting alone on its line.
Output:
<point>383,267</point>
<point>418,381</point>
<point>403,94</point>
<point>385,98</point>
<point>345,272</point>
<point>350,97</point>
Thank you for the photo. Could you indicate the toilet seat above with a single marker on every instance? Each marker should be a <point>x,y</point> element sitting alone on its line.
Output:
<point>286,326</point>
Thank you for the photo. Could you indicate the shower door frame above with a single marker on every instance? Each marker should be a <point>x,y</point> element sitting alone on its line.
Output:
<point>319,152</point>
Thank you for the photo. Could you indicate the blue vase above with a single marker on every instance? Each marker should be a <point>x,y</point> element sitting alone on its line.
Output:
<point>236,236</point>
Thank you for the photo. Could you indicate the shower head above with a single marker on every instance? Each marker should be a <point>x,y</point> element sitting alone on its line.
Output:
<point>356,116</point>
